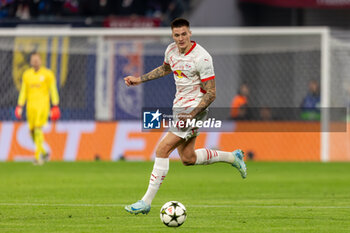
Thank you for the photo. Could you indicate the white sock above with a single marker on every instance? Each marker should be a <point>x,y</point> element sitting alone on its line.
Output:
<point>208,156</point>
<point>160,169</point>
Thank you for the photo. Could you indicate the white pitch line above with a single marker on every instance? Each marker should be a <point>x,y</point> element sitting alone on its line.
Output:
<point>196,206</point>
<point>62,204</point>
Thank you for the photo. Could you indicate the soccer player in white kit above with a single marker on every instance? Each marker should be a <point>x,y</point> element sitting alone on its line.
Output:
<point>194,76</point>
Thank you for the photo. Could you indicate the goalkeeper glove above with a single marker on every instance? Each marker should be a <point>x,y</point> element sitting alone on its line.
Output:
<point>18,112</point>
<point>55,113</point>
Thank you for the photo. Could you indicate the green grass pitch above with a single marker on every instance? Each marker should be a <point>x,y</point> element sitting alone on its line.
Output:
<point>90,197</point>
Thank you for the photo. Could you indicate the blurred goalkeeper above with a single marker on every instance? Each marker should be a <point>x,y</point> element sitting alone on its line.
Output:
<point>38,87</point>
<point>194,77</point>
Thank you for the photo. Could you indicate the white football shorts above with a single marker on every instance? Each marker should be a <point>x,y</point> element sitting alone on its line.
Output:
<point>191,131</point>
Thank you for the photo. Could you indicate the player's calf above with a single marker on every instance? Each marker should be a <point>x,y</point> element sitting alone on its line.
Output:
<point>208,156</point>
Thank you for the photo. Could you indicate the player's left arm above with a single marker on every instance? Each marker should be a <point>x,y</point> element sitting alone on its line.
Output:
<point>55,99</point>
<point>55,112</point>
<point>208,97</point>
<point>206,72</point>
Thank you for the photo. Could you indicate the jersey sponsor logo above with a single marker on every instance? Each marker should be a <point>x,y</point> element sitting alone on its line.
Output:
<point>179,65</point>
<point>37,85</point>
<point>180,74</point>
<point>53,52</point>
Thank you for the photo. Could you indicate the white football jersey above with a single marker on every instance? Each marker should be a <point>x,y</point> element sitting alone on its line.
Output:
<point>190,70</point>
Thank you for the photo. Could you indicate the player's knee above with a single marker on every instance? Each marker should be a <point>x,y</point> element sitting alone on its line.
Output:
<point>188,158</point>
<point>188,161</point>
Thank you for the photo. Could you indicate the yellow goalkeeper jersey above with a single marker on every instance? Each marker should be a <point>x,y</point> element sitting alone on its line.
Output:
<point>37,88</point>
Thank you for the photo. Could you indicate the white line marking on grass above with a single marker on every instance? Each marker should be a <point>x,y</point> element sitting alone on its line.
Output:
<point>61,204</point>
<point>270,206</point>
<point>196,206</point>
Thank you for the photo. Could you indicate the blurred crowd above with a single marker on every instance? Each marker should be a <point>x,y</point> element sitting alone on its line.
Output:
<point>48,9</point>
<point>309,109</point>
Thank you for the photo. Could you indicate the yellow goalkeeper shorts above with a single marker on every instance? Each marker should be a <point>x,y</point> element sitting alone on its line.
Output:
<point>37,117</point>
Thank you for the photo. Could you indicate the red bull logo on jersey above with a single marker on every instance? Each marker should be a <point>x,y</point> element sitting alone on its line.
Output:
<point>180,74</point>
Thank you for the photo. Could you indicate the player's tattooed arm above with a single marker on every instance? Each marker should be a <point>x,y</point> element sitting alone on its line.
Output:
<point>158,72</point>
<point>208,98</point>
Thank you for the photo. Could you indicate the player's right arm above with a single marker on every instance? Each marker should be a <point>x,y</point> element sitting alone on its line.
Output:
<point>21,99</point>
<point>158,72</point>
<point>23,92</point>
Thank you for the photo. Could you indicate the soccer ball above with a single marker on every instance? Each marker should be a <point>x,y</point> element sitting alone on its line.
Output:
<point>173,214</point>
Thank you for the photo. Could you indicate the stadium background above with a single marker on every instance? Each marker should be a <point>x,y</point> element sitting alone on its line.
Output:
<point>100,116</point>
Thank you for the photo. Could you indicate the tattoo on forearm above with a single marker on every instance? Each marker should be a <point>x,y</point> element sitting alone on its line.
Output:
<point>156,73</point>
<point>208,97</point>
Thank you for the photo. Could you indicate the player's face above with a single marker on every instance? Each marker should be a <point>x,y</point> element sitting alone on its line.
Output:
<point>182,38</point>
<point>35,61</point>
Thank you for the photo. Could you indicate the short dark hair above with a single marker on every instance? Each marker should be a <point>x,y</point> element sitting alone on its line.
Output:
<point>179,22</point>
<point>34,53</point>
